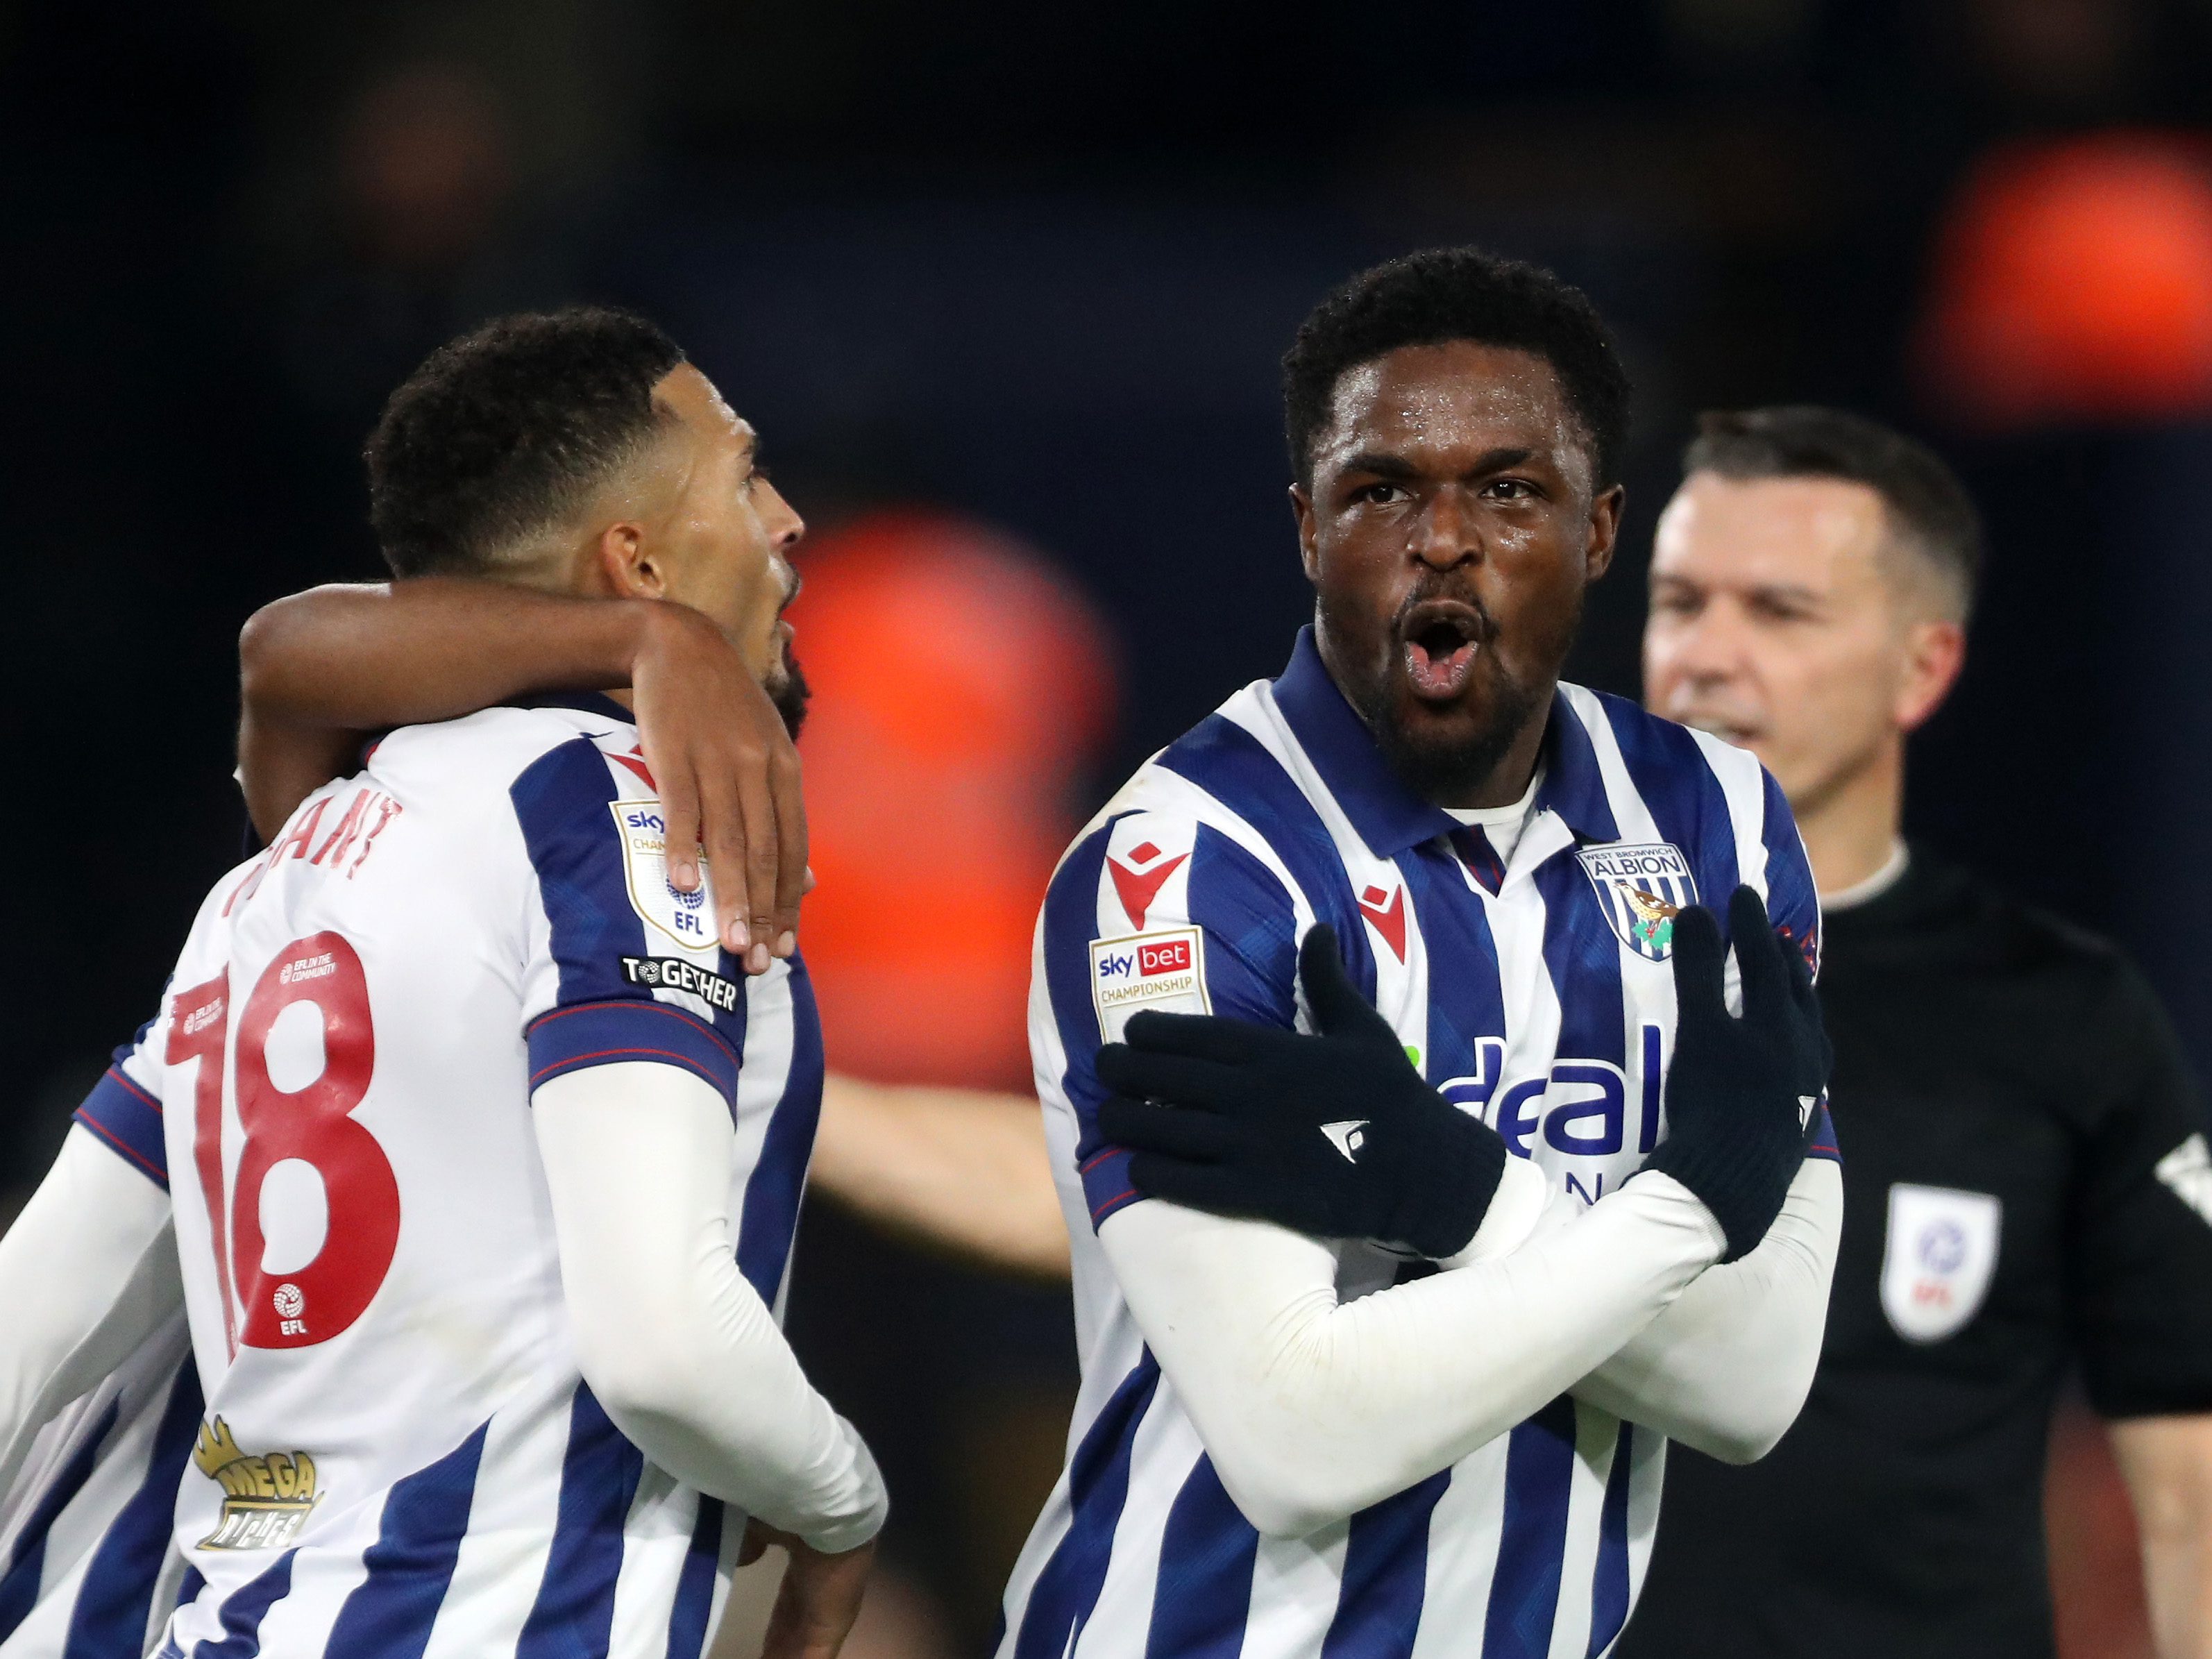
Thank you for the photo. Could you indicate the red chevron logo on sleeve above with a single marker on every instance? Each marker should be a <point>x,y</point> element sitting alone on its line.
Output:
<point>1388,918</point>
<point>1138,888</point>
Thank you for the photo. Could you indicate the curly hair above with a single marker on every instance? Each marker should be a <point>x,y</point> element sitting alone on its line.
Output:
<point>1458,293</point>
<point>507,430</point>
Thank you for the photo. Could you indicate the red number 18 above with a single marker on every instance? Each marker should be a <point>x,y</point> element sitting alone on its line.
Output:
<point>313,1124</point>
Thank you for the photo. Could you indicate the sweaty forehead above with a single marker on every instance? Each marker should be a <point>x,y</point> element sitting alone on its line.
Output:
<point>1433,404</point>
<point>697,402</point>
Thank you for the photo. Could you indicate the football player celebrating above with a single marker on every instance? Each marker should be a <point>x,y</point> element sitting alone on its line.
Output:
<point>1413,950</point>
<point>485,1149</point>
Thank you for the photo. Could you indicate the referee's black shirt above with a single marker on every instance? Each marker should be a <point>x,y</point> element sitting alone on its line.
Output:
<point>1983,1051</point>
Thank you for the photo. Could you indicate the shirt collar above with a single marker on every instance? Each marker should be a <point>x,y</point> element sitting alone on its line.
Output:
<point>1389,816</point>
<point>584,702</point>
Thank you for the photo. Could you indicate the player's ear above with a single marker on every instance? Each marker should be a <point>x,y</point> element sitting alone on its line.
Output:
<point>627,564</point>
<point>1604,530</point>
<point>1302,512</point>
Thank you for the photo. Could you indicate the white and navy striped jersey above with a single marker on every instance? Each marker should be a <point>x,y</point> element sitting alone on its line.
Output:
<point>87,1567</point>
<point>397,1455</point>
<point>1536,991</point>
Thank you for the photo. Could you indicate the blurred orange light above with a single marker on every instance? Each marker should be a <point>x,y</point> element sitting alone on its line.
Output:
<point>2073,281</point>
<point>960,691</point>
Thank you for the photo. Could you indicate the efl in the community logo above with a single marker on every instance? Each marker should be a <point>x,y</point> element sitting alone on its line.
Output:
<point>266,1498</point>
<point>1642,887</point>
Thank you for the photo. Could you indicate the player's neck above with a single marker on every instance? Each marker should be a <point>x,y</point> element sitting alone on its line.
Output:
<point>623,695</point>
<point>1851,828</point>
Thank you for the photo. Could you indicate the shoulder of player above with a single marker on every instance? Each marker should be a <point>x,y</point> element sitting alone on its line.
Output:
<point>481,758</point>
<point>1159,835</point>
<point>1650,747</point>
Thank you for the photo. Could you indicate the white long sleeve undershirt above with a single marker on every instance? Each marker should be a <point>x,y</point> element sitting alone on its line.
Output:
<point>87,1272</point>
<point>1727,1367</point>
<point>1312,1408</point>
<point>681,1352</point>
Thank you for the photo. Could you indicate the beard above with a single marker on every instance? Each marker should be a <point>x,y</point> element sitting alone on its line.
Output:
<point>1448,756</point>
<point>788,691</point>
<point>1442,765</point>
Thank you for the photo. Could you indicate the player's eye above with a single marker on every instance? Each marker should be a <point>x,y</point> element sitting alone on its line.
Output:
<point>1510,489</point>
<point>1382,494</point>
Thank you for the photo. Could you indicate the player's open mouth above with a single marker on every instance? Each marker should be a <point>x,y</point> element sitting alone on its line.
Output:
<point>1442,637</point>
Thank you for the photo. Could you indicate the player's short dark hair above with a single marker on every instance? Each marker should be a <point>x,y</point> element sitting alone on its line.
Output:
<point>1929,512</point>
<point>1448,294</point>
<point>507,430</point>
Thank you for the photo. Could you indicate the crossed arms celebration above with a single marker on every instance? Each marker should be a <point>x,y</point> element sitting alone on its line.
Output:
<point>1692,1299</point>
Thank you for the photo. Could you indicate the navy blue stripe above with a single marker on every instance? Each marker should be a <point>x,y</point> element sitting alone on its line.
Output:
<point>1792,902</point>
<point>694,1585</point>
<point>574,1612</point>
<point>27,1563</point>
<point>1610,1584</point>
<point>1386,1562</point>
<point>1524,1590</point>
<point>1097,1486</point>
<point>115,1603</point>
<point>244,1609</point>
<point>1685,799</point>
<point>1071,922</point>
<point>1467,1000</point>
<point>769,1217</point>
<point>561,801</point>
<point>410,1564</point>
<point>1234,768</point>
<point>581,1036</point>
<point>1204,1590</point>
<point>126,1117</point>
<point>1251,931</point>
<point>1824,1143</point>
<point>1582,956</point>
<point>1574,783</point>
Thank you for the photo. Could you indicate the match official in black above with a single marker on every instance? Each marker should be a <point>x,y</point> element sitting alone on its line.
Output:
<point>2026,1183</point>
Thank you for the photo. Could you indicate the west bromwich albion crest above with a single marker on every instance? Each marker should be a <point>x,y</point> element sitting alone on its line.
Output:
<point>1641,885</point>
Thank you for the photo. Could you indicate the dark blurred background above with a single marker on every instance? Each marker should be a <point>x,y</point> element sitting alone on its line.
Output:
<point>1031,266</point>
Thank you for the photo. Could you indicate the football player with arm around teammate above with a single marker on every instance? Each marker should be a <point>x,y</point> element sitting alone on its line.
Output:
<point>1457,1137</point>
<point>461,1053</point>
<point>2029,1179</point>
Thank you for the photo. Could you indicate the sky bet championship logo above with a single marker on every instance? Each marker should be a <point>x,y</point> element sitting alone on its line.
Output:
<point>1165,971</point>
<point>265,1499</point>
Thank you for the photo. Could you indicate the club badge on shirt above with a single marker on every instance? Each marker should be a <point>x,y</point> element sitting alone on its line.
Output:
<point>1939,1256</point>
<point>688,919</point>
<point>1164,970</point>
<point>1641,886</point>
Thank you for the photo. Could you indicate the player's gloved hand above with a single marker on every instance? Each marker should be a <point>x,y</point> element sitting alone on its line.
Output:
<point>1336,1134</point>
<point>1742,1094</point>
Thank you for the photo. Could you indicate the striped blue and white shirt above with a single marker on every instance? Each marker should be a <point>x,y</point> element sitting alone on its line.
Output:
<point>1535,990</point>
<point>397,1453</point>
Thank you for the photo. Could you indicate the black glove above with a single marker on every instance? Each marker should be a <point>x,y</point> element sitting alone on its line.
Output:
<point>1335,1135</point>
<point>1743,1095</point>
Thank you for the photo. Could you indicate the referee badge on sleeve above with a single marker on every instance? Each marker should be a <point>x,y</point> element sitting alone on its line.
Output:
<point>1939,1256</point>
